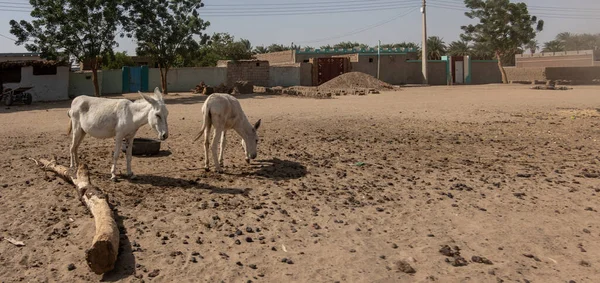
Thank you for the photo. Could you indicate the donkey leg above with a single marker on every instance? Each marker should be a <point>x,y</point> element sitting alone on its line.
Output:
<point>113,170</point>
<point>206,145</point>
<point>222,148</point>
<point>128,154</point>
<point>78,135</point>
<point>215,144</point>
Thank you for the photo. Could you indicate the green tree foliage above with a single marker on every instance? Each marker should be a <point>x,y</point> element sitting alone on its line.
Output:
<point>350,45</point>
<point>117,61</point>
<point>165,30</point>
<point>277,47</point>
<point>223,46</point>
<point>503,26</point>
<point>554,46</point>
<point>410,45</point>
<point>436,48</point>
<point>81,29</point>
<point>532,46</point>
<point>566,41</point>
<point>260,50</point>
<point>459,48</point>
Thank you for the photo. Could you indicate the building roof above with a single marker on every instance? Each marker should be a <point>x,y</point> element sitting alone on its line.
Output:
<point>31,63</point>
<point>19,54</point>
<point>355,50</point>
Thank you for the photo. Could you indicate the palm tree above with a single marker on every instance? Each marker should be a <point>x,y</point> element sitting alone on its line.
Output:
<point>554,46</point>
<point>247,44</point>
<point>436,48</point>
<point>481,51</point>
<point>260,50</point>
<point>459,48</point>
<point>532,46</point>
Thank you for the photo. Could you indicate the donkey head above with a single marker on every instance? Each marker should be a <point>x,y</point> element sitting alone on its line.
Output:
<point>157,116</point>
<point>250,141</point>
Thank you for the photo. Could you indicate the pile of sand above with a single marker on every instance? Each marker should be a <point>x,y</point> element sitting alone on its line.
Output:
<point>355,80</point>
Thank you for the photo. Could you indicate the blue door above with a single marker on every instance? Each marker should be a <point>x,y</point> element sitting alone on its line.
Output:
<point>135,79</point>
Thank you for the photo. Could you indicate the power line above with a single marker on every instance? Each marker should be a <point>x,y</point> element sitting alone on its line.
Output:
<point>312,4</point>
<point>361,29</point>
<point>312,12</point>
<point>1,35</point>
<point>290,9</point>
<point>538,14</point>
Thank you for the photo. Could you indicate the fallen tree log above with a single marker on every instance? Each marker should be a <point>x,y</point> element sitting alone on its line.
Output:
<point>102,255</point>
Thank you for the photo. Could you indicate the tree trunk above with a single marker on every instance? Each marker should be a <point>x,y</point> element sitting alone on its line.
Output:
<point>94,66</point>
<point>163,79</point>
<point>502,71</point>
<point>102,255</point>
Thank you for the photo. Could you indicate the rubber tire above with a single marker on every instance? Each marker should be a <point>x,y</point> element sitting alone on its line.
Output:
<point>28,99</point>
<point>8,100</point>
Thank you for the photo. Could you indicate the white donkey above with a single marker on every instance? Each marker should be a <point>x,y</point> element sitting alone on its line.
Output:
<point>119,118</point>
<point>224,112</point>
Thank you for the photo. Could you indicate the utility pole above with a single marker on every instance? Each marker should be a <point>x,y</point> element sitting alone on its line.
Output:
<point>378,57</point>
<point>424,45</point>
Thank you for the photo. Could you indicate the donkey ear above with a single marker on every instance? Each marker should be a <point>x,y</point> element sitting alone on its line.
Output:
<point>158,94</point>
<point>147,98</point>
<point>257,124</point>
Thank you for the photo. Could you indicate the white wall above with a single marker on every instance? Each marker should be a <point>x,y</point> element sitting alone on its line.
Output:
<point>112,81</point>
<point>185,79</point>
<point>45,87</point>
<point>81,84</point>
<point>284,75</point>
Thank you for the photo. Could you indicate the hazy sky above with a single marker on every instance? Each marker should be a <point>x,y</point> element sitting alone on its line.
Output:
<point>364,21</point>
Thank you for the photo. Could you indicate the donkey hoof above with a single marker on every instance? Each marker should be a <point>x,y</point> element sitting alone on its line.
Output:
<point>113,178</point>
<point>206,169</point>
<point>247,160</point>
<point>132,176</point>
<point>220,171</point>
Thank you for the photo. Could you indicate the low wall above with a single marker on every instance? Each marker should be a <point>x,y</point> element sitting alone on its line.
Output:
<point>485,72</point>
<point>45,87</point>
<point>185,79</point>
<point>112,81</point>
<point>525,74</point>
<point>81,84</point>
<point>436,72</point>
<point>574,74</point>
<point>285,75</point>
<point>306,74</point>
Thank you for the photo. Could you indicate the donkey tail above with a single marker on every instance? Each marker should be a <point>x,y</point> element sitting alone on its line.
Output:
<point>70,123</point>
<point>204,124</point>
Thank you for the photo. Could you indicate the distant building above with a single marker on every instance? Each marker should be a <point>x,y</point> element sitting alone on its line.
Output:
<point>137,60</point>
<point>582,58</point>
<point>16,57</point>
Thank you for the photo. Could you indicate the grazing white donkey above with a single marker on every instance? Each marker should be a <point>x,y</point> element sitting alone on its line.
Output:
<point>224,112</point>
<point>119,118</point>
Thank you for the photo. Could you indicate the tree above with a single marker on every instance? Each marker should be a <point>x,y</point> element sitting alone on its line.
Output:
<point>260,50</point>
<point>553,46</point>
<point>532,45</point>
<point>459,48</point>
<point>165,29</point>
<point>436,48</point>
<point>80,29</point>
<point>277,48</point>
<point>350,45</point>
<point>409,45</point>
<point>576,42</point>
<point>503,26</point>
<point>222,46</point>
<point>116,61</point>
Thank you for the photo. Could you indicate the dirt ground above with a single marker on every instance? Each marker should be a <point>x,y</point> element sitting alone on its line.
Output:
<point>348,189</point>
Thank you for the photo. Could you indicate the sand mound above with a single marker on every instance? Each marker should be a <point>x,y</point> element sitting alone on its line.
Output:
<point>355,80</point>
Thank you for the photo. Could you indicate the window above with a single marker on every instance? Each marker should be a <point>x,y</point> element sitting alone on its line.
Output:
<point>41,70</point>
<point>257,64</point>
<point>306,61</point>
<point>11,74</point>
<point>370,60</point>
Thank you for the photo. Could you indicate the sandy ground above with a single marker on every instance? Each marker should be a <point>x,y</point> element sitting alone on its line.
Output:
<point>350,189</point>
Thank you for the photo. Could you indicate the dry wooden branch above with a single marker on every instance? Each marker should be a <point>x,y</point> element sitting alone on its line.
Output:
<point>101,256</point>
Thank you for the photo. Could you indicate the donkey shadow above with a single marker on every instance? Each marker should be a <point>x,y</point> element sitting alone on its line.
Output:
<point>165,181</point>
<point>277,169</point>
